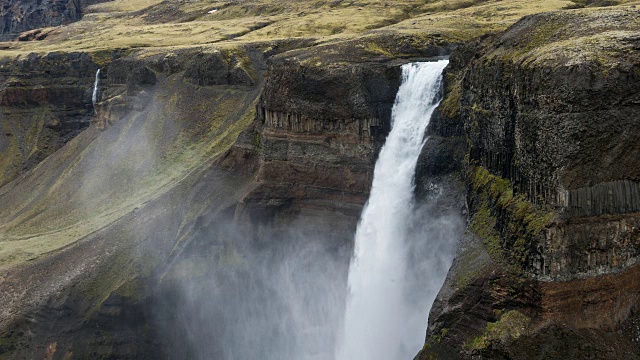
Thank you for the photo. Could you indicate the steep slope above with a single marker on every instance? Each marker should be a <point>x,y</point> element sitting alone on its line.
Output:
<point>84,215</point>
<point>548,267</point>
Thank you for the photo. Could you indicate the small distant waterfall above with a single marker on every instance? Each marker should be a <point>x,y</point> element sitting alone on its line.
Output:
<point>379,323</point>
<point>96,86</point>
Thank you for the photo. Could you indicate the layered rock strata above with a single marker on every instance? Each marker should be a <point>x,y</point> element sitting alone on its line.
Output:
<point>548,267</point>
<point>44,102</point>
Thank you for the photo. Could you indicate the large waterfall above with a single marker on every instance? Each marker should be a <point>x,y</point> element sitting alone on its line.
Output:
<point>381,322</point>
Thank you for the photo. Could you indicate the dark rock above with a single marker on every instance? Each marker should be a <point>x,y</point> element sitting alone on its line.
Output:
<point>17,16</point>
<point>207,69</point>
<point>45,101</point>
<point>550,120</point>
<point>239,76</point>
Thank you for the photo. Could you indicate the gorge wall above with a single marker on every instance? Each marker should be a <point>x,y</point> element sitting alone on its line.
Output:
<point>548,111</point>
<point>151,145</point>
<point>45,101</point>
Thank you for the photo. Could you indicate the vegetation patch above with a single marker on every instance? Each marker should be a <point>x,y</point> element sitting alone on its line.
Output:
<point>507,223</point>
<point>433,339</point>
<point>155,24</point>
<point>591,36</point>
<point>374,48</point>
<point>509,327</point>
<point>450,106</point>
<point>103,58</point>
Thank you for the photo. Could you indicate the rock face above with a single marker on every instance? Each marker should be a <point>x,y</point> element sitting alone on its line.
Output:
<point>17,16</point>
<point>44,102</point>
<point>319,138</point>
<point>322,117</point>
<point>548,109</point>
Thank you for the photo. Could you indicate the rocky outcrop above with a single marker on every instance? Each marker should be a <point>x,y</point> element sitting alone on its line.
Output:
<point>320,129</point>
<point>17,16</point>
<point>551,172</point>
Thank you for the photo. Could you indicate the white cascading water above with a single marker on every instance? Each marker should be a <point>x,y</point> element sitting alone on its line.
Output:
<point>96,85</point>
<point>379,323</point>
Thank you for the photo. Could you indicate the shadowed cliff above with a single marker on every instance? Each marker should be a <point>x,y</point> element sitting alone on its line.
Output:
<point>548,111</point>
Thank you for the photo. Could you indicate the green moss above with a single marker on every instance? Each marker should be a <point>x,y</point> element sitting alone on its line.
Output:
<point>509,327</point>
<point>479,110</point>
<point>427,352</point>
<point>374,48</point>
<point>450,106</point>
<point>543,33</point>
<point>103,58</point>
<point>438,338</point>
<point>483,225</point>
<point>497,205</point>
<point>433,339</point>
<point>257,142</point>
<point>237,56</point>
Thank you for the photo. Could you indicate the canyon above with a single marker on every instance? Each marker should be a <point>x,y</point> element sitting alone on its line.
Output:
<point>207,159</point>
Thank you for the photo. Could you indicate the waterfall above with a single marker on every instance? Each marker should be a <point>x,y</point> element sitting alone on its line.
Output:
<point>96,85</point>
<point>380,322</point>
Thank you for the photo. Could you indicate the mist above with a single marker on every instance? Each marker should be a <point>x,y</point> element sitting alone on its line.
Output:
<point>268,297</point>
<point>245,288</point>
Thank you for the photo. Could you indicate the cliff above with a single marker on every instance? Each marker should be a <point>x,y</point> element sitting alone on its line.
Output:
<point>547,110</point>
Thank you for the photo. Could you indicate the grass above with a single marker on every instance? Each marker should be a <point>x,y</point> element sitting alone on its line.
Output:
<point>152,25</point>
<point>589,35</point>
<point>476,19</point>
<point>140,159</point>
<point>509,327</point>
<point>24,138</point>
